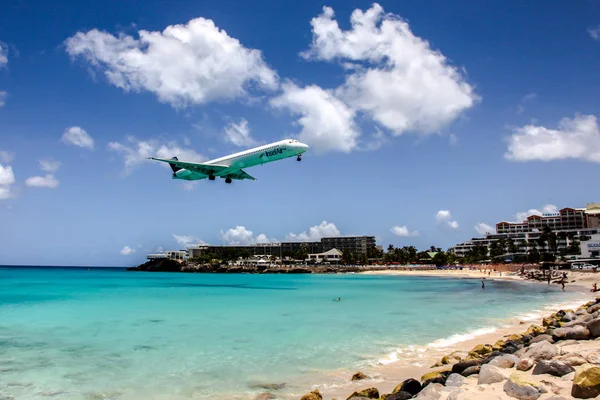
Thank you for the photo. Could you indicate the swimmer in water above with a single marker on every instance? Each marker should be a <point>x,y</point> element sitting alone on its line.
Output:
<point>482,284</point>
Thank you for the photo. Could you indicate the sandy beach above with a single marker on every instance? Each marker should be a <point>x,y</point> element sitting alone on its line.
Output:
<point>416,362</point>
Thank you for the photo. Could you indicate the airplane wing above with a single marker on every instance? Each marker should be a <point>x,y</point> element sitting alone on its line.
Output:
<point>206,169</point>
<point>240,174</point>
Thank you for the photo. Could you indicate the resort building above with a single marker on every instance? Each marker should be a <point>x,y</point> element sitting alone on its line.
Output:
<point>333,255</point>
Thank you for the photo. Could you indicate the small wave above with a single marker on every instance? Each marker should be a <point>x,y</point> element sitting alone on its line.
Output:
<point>461,337</point>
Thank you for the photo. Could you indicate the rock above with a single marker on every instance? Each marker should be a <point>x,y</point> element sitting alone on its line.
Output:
<point>521,387</point>
<point>552,367</point>
<point>490,374</point>
<point>542,351</point>
<point>431,392</point>
<point>435,377</point>
<point>398,396</point>
<point>525,364</point>
<point>455,380</point>
<point>370,393</point>
<point>359,376</point>
<point>569,316</point>
<point>314,395</point>
<point>498,345</point>
<point>265,396</point>
<point>411,386</point>
<point>511,347</point>
<point>593,357</point>
<point>505,361</point>
<point>358,398</point>
<point>474,370</point>
<point>566,343</point>
<point>534,330</point>
<point>593,309</point>
<point>541,338</point>
<point>594,327</point>
<point>459,367</point>
<point>574,332</point>
<point>481,349</point>
<point>515,337</point>
<point>586,383</point>
<point>572,359</point>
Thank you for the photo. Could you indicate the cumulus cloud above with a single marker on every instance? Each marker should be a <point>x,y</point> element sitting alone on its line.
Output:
<point>77,136</point>
<point>126,251</point>
<point>595,32</point>
<point>242,236</point>
<point>136,151</point>
<point>187,241</point>
<point>7,178</point>
<point>49,165</point>
<point>403,231</point>
<point>577,138</point>
<point>191,63</point>
<point>327,123</point>
<point>397,78</point>
<point>6,156</point>
<point>239,134</point>
<point>483,228</point>
<point>3,96</point>
<point>444,217</point>
<point>47,181</point>
<point>315,233</point>
<point>546,209</point>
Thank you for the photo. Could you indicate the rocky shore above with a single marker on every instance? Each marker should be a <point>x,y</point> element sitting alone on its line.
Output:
<point>167,265</point>
<point>559,359</point>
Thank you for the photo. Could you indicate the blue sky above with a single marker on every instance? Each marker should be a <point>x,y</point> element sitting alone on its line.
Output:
<point>425,121</point>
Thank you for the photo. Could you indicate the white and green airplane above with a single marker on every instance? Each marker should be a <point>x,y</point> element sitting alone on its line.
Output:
<point>230,167</point>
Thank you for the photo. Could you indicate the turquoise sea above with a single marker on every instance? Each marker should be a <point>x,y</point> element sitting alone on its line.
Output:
<point>111,334</point>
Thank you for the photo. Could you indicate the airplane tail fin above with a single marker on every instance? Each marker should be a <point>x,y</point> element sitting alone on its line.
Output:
<point>174,168</point>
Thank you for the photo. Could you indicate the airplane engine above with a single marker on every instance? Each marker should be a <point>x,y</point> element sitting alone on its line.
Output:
<point>182,174</point>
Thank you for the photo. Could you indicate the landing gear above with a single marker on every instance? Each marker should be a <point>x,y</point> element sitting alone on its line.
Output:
<point>299,158</point>
<point>211,177</point>
<point>228,180</point>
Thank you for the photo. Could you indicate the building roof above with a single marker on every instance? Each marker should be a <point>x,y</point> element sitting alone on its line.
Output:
<point>332,252</point>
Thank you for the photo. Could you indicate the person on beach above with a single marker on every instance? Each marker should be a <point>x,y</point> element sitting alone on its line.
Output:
<point>594,288</point>
<point>549,277</point>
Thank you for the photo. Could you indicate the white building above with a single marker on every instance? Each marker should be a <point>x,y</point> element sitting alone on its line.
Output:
<point>333,255</point>
<point>591,248</point>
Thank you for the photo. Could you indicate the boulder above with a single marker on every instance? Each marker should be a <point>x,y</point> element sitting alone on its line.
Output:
<point>575,332</point>
<point>490,374</point>
<point>572,359</point>
<point>504,361</point>
<point>541,351</point>
<point>534,330</point>
<point>431,392</point>
<point>459,367</point>
<point>542,338</point>
<point>593,309</point>
<point>552,367</point>
<point>265,396</point>
<point>511,347</point>
<point>359,376</point>
<point>411,386</point>
<point>521,387</point>
<point>435,377</point>
<point>474,370</point>
<point>370,393</point>
<point>314,395</point>
<point>455,380</point>
<point>498,345</point>
<point>569,316</point>
<point>594,327</point>
<point>397,396</point>
<point>593,357</point>
<point>480,350</point>
<point>525,364</point>
<point>586,383</point>
<point>566,343</point>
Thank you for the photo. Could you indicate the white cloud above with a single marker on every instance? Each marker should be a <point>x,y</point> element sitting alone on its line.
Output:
<point>397,78</point>
<point>47,181</point>
<point>444,217</point>
<point>528,97</point>
<point>7,178</point>
<point>403,231</point>
<point>595,32</point>
<point>6,193</point>
<point>327,124</point>
<point>6,156</point>
<point>126,251</point>
<point>315,233</point>
<point>3,54</point>
<point>135,151</point>
<point>239,134</point>
<point>49,165</point>
<point>77,136</point>
<point>483,228</point>
<point>547,209</point>
<point>187,241</point>
<point>242,236</point>
<point>191,63</point>
<point>577,138</point>
<point>3,96</point>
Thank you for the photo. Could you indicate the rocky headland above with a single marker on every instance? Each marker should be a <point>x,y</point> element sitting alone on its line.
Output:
<point>559,359</point>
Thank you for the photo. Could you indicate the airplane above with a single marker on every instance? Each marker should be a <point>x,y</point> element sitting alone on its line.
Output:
<point>230,167</point>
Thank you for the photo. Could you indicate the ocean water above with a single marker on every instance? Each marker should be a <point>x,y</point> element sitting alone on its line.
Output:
<point>111,334</point>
